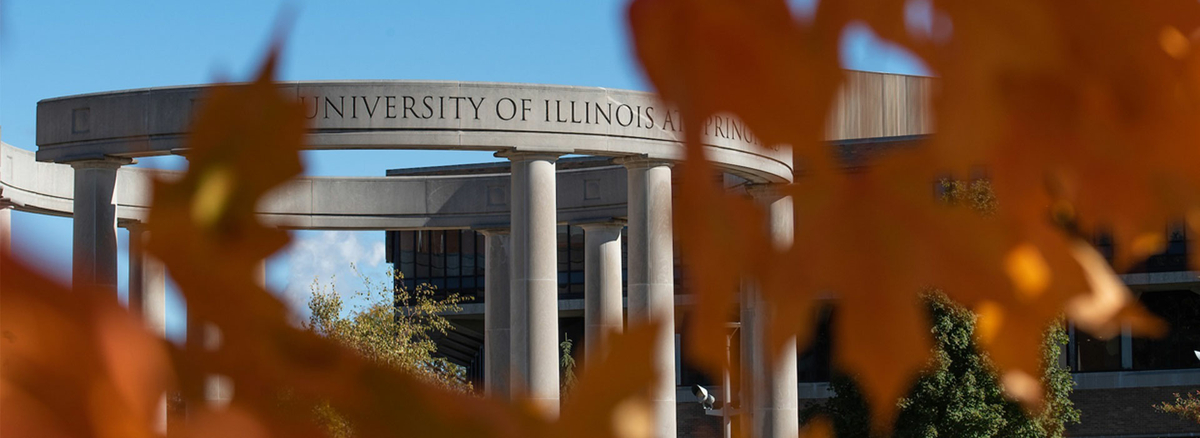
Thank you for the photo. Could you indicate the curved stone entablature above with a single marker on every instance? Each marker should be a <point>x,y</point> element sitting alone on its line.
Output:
<point>415,115</point>
<point>394,202</point>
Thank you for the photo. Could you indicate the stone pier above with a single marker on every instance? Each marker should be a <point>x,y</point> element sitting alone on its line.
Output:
<point>533,268</point>
<point>652,276</point>
<point>497,337</point>
<point>602,314</point>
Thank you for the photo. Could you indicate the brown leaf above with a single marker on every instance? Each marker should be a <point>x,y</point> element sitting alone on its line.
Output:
<point>610,399</point>
<point>748,58</point>
<point>74,362</point>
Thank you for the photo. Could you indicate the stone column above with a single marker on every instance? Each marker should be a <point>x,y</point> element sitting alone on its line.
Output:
<point>5,229</point>
<point>652,275</point>
<point>147,296</point>
<point>775,408</point>
<point>497,301</point>
<point>95,222</point>
<point>602,314</point>
<point>147,282</point>
<point>218,388</point>
<point>750,363</point>
<point>533,279</point>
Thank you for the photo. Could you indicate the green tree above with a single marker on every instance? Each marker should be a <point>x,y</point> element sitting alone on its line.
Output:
<point>395,327</point>
<point>960,396</point>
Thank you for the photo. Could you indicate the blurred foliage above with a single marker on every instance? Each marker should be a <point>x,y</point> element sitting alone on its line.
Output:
<point>958,395</point>
<point>1082,115</point>
<point>76,364</point>
<point>394,328</point>
<point>1186,406</point>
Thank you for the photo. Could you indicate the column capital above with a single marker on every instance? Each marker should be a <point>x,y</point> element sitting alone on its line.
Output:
<point>131,225</point>
<point>519,155</point>
<point>768,192</point>
<point>596,224</point>
<point>101,162</point>
<point>641,162</point>
<point>492,230</point>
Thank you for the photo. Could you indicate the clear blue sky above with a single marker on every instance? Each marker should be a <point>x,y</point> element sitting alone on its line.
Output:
<point>50,49</point>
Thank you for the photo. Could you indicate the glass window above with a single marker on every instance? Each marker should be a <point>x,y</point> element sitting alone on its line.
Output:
<point>563,255</point>
<point>1180,309</point>
<point>453,261</point>
<point>625,261</point>
<point>480,255</point>
<point>1094,354</point>
<point>468,253</point>
<point>437,247</point>
<point>576,249</point>
<point>407,257</point>
<point>422,255</point>
<point>815,361</point>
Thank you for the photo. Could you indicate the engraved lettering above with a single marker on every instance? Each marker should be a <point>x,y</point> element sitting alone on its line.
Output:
<point>370,109</point>
<point>476,105</point>
<point>629,111</point>
<point>525,109</point>
<point>337,109</point>
<point>315,107</point>
<point>456,99</point>
<point>427,101</point>
<point>607,115</point>
<point>558,112</point>
<point>512,111</point>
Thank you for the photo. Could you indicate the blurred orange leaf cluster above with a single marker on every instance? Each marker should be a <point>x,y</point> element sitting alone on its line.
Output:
<point>75,363</point>
<point>1081,115</point>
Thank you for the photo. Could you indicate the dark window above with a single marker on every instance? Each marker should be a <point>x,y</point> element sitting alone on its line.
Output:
<point>408,253</point>
<point>625,261</point>
<point>437,249</point>
<point>1181,311</point>
<point>453,252</point>
<point>1174,255</point>
<point>451,260</point>
<point>1094,354</point>
<point>570,261</point>
<point>814,362</point>
<point>422,270</point>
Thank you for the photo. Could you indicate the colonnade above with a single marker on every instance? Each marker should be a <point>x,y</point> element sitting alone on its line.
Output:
<point>521,286</point>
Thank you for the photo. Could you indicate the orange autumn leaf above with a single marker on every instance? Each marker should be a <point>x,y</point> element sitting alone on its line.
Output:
<point>747,58</point>
<point>610,400</point>
<point>74,363</point>
<point>1079,113</point>
<point>1084,102</point>
<point>208,235</point>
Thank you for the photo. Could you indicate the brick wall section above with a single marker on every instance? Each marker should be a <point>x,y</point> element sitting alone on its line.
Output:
<point>1103,413</point>
<point>1127,412</point>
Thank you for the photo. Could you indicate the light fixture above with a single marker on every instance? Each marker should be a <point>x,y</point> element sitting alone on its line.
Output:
<point>705,399</point>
